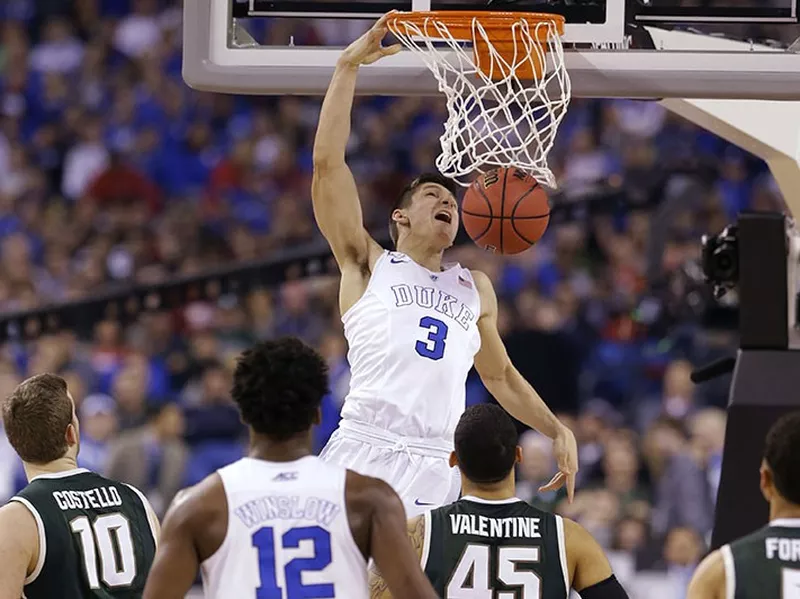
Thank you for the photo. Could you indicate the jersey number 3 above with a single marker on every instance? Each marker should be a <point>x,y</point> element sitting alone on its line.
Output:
<point>433,347</point>
<point>472,580</point>
<point>264,541</point>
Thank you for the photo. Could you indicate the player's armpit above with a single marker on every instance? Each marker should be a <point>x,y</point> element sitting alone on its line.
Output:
<point>708,581</point>
<point>394,555</point>
<point>19,548</point>
<point>586,561</point>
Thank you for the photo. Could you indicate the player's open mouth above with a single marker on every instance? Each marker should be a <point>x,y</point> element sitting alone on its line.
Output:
<point>444,217</point>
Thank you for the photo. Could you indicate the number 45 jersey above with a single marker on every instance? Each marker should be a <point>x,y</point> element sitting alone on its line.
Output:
<point>96,537</point>
<point>288,534</point>
<point>412,336</point>
<point>505,549</point>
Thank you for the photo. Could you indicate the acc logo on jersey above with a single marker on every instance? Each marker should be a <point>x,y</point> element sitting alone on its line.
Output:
<point>285,477</point>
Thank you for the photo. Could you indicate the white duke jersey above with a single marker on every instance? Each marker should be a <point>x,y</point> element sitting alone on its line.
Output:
<point>413,336</point>
<point>288,534</point>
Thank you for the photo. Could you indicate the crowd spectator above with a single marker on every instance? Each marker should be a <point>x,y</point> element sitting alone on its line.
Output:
<point>113,172</point>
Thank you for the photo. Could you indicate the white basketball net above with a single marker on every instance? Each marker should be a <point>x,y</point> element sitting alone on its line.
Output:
<point>507,122</point>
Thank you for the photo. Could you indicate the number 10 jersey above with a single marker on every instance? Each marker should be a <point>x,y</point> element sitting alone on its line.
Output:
<point>96,537</point>
<point>413,336</point>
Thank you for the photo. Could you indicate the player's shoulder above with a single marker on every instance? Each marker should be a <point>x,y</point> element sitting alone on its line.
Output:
<point>204,500</point>
<point>483,283</point>
<point>708,581</point>
<point>369,493</point>
<point>19,525</point>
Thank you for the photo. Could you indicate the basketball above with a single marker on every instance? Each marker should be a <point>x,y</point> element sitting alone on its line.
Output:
<point>505,211</point>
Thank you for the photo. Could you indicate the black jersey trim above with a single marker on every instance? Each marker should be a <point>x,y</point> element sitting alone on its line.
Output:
<point>42,538</point>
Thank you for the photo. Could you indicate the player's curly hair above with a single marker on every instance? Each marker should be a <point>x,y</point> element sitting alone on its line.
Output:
<point>485,443</point>
<point>404,199</point>
<point>278,386</point>
<point>782,454</point>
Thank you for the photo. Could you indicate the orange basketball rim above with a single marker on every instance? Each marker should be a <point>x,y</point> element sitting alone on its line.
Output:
<point>519,38</point>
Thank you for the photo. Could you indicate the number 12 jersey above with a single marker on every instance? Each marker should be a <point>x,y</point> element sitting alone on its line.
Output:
<point>413,336</point>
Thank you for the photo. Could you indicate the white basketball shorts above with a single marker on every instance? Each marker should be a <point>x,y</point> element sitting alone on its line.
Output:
<point>416,469</point>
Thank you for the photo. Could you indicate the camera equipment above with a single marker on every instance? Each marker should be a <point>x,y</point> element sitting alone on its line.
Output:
<point>721,260</point>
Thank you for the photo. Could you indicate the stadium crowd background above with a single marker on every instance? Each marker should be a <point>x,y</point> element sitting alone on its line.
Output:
<point>112,170</point>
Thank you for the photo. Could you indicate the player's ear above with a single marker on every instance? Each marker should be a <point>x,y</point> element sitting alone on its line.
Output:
<point>71,435</point>
<point>453,459</point>
<point>518,455</point>
<point>400,217</point>
<point>766,483</point>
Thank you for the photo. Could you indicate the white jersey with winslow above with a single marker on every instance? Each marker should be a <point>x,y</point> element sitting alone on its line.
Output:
<point>288,534</point>
<point>413,336</point>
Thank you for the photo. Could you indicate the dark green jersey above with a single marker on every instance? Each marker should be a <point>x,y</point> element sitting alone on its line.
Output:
<point>96,540</point>
<point>765,564</point>
<point>504,549</point>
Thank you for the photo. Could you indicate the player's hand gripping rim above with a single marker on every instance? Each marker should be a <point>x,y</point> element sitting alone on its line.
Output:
<point>369,47</point>
<point>565,450</point>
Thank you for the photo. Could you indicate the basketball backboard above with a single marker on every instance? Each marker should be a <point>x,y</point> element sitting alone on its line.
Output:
<point>222,50</point>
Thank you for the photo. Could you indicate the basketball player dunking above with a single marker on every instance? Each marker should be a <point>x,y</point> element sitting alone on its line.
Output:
<point>414,325</point>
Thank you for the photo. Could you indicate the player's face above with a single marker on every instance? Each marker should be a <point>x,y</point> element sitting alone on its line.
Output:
<point>434,214</point>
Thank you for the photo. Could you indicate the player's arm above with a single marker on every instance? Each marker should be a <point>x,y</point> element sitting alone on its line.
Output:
<point>193,530</point>
<point>394,555</point>
<point>415,528</point>
<point>334,194</point>
<point>708,581</point>
<point>176,563</point>
<point>515,394</point>
<point>589,571</point>
<point>19,548</point>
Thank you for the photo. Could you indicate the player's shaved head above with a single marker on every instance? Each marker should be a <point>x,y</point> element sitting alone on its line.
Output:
<point>486,444</point>
<point>782,455</point>
<point>405,197</point>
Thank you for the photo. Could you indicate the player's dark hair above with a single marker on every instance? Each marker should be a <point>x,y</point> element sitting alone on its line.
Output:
<point>782,453</point>
<point>36,416</point>
<point>404,199</point>
<point>486,443</point>
<point>278,386</point>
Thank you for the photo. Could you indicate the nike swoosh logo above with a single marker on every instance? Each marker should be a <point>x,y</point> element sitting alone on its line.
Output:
<point>395,261</point>
<point>421,503</point>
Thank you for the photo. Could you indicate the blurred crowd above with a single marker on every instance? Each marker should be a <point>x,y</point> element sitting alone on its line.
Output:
<point>112,171</point>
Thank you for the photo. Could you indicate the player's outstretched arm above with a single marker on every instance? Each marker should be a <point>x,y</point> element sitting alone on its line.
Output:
<point>515,394</point>
<point>708,581</point>
<point>334,194</point>
<point>589,571</point>
<point>193,530</point>
<point>19,548</point>
<point>378,589</point>
<point>394,555</point>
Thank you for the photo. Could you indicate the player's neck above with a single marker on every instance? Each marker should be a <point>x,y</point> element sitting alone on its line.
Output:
<point>422,254</point>
<point>780,509</point>
<point>64,464</point>
<point>289,450</point>
<point>494,492</point>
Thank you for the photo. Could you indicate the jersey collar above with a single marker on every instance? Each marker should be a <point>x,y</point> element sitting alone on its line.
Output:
<point>786,523</point>
<point>63,474</point>
<point>491,501</point>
